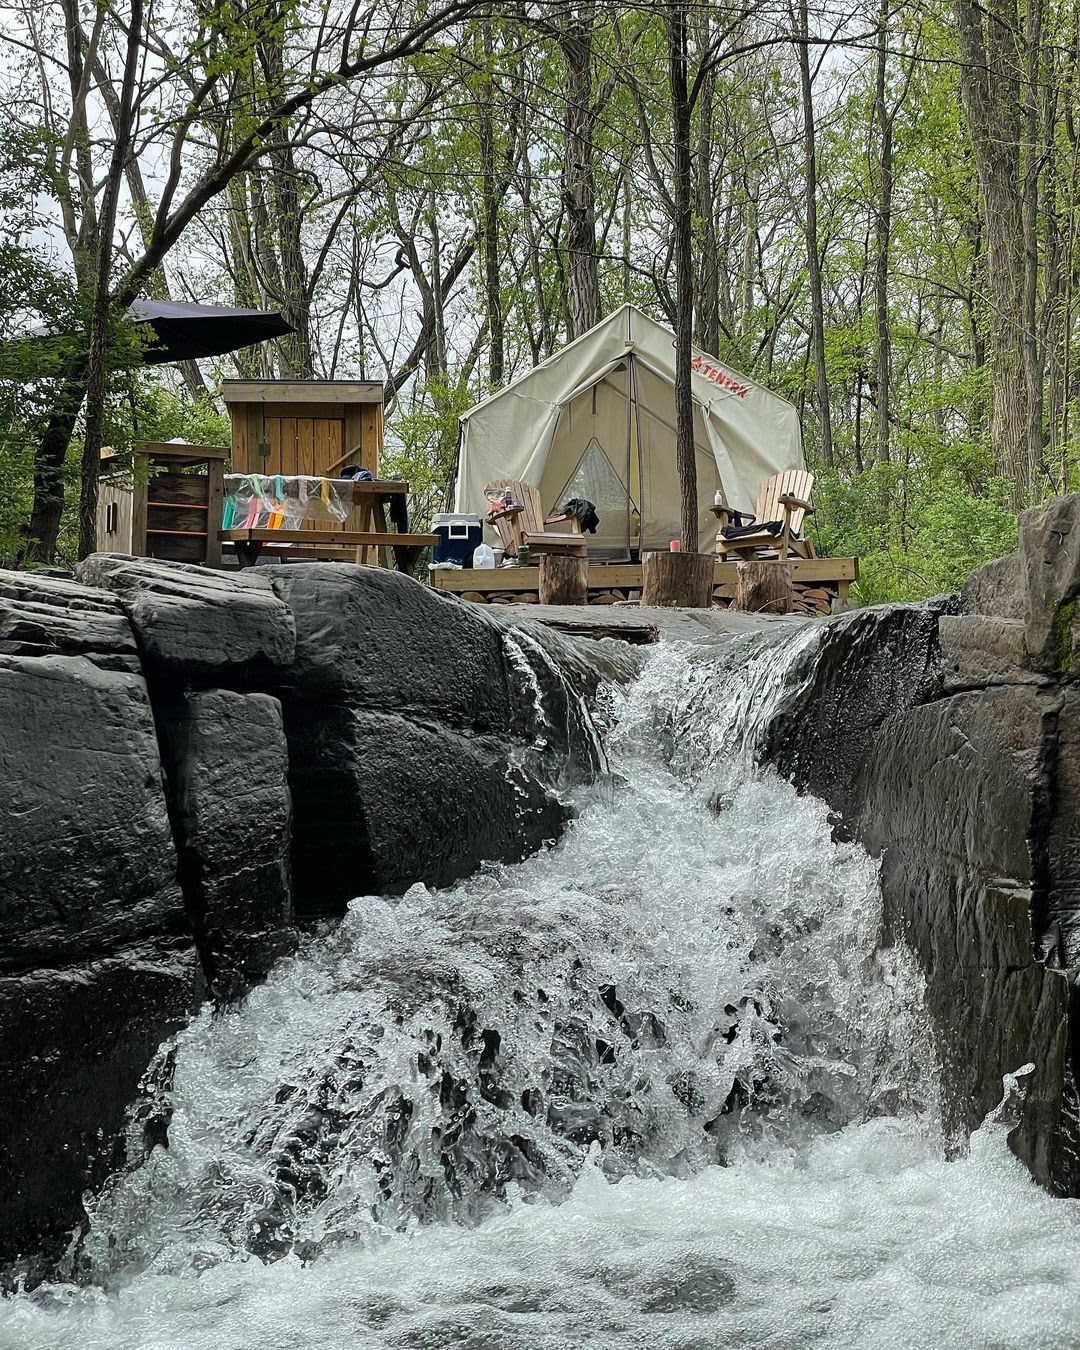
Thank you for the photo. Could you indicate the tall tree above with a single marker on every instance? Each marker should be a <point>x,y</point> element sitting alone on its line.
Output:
<point>576,26</point>
<point>813,243</point>
<point>883,116</point>
<point>995,79</point>
<point>98,327</point>
<point>681,189</point>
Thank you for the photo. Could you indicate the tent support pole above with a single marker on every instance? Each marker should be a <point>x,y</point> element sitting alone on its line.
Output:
<point>640,457</point>
<point>629,446</point>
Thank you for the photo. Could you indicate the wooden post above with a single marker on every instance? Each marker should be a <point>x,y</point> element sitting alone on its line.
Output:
<point>683,579</point>
<point>215,505</point>
<point>763,587</point>
<point>564,579</point>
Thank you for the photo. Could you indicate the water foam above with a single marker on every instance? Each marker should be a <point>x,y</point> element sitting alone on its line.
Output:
<point>653,1086</point>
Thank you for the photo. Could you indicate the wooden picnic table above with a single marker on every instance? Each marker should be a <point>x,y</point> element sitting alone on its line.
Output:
<point>376,534</point>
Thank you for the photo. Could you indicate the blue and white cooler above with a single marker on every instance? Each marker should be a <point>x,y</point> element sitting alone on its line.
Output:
<point>458,533</point>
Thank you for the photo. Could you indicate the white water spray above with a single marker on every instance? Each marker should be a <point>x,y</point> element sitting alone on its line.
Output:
<point>654,1086</point>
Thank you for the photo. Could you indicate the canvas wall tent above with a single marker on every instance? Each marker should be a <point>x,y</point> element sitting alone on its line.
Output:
<point>597,420</point>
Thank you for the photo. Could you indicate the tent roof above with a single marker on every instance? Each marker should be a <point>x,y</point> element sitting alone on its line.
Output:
<point>627,327</point>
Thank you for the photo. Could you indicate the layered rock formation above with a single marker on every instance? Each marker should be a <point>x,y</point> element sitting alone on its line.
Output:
<point>187,758</point>
<point>947,737</point>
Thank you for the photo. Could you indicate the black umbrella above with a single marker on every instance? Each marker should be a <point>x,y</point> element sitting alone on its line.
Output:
<point>183,331</point>
<point>178,331</point>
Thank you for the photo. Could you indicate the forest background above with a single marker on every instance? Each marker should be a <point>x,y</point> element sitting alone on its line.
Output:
<point>884,203</point>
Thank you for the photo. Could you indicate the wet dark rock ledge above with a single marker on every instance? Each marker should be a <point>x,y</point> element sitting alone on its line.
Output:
<point>947,738</point>
<point>190,760</point>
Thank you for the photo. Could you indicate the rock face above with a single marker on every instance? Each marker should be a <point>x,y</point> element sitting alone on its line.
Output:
<point>96,967</point>
<point>406,724</point>
<point>867,664</point>
<point>193,624</point>
<point>947,736</point>
<point>186,757</point>
<point>226,750</point>
<point>960,805</point>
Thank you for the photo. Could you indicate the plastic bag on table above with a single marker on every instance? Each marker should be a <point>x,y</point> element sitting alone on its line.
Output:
<point>279,501</point>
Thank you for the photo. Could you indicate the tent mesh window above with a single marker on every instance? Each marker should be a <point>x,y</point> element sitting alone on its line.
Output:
<point>597,480</point>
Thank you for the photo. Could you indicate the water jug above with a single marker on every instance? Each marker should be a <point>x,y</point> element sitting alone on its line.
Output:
<point>483,556</point>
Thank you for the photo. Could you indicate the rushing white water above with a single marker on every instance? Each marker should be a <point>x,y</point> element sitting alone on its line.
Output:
<point>652,1087</point>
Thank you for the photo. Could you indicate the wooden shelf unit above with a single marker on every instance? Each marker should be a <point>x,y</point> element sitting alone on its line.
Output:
<point>162,502</point>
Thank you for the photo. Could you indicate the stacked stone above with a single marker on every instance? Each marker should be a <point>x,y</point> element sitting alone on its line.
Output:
<point>815,599</point>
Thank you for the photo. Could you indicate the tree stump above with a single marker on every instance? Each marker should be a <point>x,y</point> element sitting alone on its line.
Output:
<point>683,579</point>
<point>564,579</point>
<point>763,587</point>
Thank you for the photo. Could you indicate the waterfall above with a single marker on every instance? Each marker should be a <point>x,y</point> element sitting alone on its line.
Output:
<point>656,1085</point>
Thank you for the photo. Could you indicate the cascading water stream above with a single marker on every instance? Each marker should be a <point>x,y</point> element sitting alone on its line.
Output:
<point>654,1086</point>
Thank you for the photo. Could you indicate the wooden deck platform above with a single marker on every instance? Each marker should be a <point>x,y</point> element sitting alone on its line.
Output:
<point>818,582</point>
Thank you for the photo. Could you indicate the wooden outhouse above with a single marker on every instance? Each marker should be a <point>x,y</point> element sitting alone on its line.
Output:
<point>304,426</point>
<point>165,502</point>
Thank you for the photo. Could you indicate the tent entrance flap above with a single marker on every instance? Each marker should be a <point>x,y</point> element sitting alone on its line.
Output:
<point>596,479</point>
<point>589,457</point>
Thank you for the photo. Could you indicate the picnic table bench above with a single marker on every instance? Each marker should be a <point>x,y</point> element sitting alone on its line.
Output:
<point>330,543</point>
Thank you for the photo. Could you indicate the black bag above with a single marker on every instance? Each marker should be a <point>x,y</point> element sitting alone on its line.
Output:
<point>741,531</point>
<point>583,511</point>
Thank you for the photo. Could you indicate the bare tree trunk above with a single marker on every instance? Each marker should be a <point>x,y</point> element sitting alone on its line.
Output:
<point>579,175</point>
<point>1034,357</point>
<point>991,82</point>
<point>813,257</point>
<point>98,336</point>
<point>747,298</point>
<point>627,236</point>
<point>976,289</point>
<point>284,210</point>
<point>681,114</point>
<point>295,348</point>
<point>708,297</point>
<point>883,236</point>
<point>158,285</point>
<point>1061,261</point>
<point>43,529</point>
<point>546,322</point>
<point>489,216</point>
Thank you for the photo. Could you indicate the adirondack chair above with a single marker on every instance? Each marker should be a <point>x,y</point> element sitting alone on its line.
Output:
<point>785,498</point>
<point>526,526</point>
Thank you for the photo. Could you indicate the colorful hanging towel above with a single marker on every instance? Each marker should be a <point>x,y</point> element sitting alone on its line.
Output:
<point>277,511</point>
<point>258,502</point>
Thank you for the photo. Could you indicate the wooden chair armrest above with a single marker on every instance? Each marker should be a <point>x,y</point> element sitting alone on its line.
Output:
<point>571,522</point>
<point>724,515</point>
<point>789,500</point>
<point>504,513</point>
